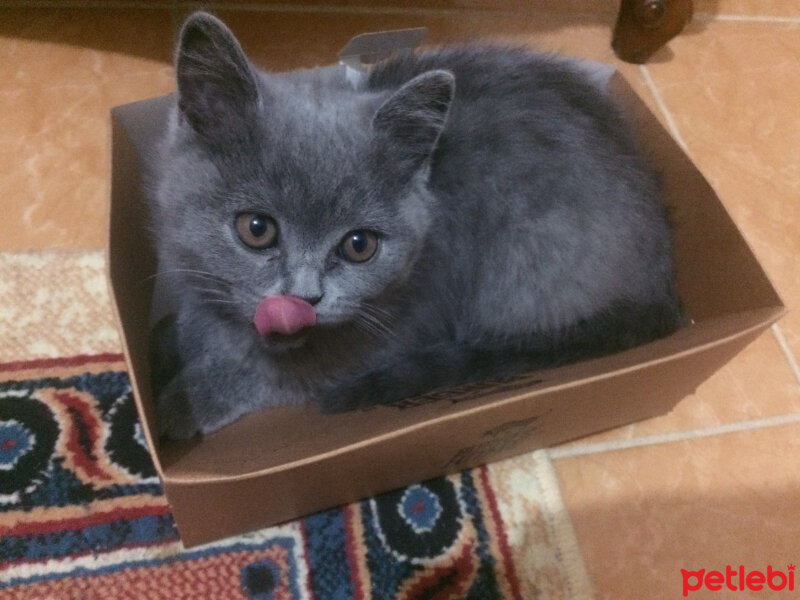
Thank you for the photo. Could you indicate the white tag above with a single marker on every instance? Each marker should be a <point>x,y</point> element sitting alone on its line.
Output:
<point>368,48</point>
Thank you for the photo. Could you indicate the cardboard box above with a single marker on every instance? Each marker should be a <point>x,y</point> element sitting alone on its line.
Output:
<point>284,463</point>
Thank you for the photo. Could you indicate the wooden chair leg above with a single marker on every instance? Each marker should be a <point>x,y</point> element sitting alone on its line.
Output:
<point>644,26</point>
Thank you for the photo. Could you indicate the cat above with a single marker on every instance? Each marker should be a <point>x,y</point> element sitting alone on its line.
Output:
<point>454,215</point>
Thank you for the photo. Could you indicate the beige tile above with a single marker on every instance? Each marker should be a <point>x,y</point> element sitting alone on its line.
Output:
<point>733,95</point>
<point>642,515</point>
<point>52,47</point>
<point>775,8</point>
<point>66,69</point>
<point>757,384</point>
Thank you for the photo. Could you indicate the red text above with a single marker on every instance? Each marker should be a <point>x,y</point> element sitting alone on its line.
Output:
<point>737,580</point>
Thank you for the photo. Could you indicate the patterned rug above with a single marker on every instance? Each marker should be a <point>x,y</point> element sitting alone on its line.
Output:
<point>82,515</point>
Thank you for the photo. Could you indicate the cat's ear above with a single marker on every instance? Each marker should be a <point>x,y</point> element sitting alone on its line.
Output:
<point>415,115</point>
<point>217,91</point>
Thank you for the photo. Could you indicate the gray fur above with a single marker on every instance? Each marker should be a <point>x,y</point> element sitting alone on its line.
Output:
<point>519,226</point>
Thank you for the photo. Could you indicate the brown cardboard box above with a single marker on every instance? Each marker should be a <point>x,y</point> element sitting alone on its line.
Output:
<point>284,463</point>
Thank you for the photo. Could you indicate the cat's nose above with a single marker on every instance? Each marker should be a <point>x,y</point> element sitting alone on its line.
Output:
<point>312,300</point>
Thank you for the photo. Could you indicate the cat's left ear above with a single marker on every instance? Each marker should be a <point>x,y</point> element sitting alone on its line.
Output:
<point>217,90</point>
<point>414,116</point>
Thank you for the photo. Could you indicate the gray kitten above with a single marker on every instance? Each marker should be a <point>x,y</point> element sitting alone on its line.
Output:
<point>456,215</point>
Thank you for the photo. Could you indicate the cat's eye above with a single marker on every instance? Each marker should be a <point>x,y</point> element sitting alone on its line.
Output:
<point>256,230</point>
<point>359,246</point>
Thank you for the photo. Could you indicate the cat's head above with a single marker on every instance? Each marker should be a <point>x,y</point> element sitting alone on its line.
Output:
<point>293,185</point>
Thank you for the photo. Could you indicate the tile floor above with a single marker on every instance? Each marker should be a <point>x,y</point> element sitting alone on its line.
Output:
<point>717,481</point>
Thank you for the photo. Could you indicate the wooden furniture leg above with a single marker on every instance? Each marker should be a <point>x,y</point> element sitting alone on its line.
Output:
<point>644,26</point>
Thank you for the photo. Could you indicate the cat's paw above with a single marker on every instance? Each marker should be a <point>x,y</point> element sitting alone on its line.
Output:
<point>174,414</point>
<point>180,419</point>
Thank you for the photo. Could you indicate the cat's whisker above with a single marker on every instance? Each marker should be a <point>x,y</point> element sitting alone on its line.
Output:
<point>206,295</point>
<point>209,290</point>
<point>205,275</point>
<point>379,312</point>
<point>385,318</point>
<point>376,321</point>
<point>218,301</point>
<point>367,328</point>
<point>372,324</point>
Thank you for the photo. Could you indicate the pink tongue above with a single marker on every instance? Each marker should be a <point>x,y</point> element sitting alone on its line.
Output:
<point>283,314</point>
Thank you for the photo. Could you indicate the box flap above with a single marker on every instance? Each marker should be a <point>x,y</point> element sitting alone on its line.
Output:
<point>131,257</point>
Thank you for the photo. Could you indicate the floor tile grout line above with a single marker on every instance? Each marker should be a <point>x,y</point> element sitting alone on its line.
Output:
<point>673,127</point>
<point>740,18</point>
<point>672,437</point>
<point>787,351</point>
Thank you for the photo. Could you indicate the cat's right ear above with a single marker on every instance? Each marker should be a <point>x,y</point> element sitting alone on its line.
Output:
<point>217,91</point>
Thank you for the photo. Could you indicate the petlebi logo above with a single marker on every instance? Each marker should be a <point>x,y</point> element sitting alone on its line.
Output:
<point>739,579</point>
